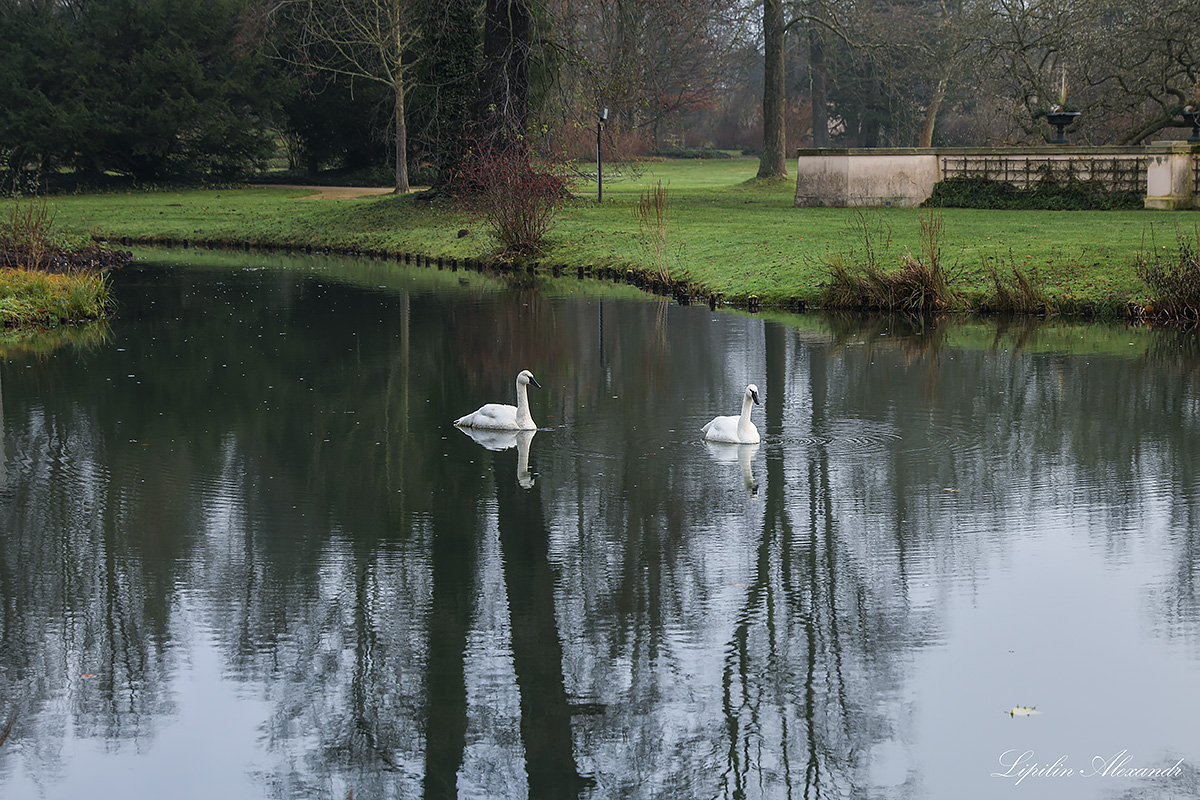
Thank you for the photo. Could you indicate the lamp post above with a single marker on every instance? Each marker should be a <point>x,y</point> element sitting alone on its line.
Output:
<point>601,118</point>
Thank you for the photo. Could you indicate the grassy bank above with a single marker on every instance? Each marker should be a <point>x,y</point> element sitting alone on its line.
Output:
<point>29,298</point>
<point>48,276</point>
<point>728,235</point>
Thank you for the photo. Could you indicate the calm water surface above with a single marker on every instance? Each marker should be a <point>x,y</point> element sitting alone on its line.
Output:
<point>244,553</point>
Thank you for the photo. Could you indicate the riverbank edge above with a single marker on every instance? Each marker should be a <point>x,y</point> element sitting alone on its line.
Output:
<point>730,238</point>
<point>684,292</point>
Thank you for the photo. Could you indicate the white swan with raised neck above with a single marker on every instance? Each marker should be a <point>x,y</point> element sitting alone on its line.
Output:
<point>503,417</point>
<point>735,429</point>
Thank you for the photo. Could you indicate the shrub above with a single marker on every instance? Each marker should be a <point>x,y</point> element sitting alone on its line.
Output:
<point>517,200</point>
<point>30,238</point>
<point>691,152</point>
<point>1045,195</point>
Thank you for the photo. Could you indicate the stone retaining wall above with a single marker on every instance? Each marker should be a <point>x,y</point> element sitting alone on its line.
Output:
<point>1167,173</point>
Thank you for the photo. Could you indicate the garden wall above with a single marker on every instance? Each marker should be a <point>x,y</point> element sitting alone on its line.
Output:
<point>1167,173</point>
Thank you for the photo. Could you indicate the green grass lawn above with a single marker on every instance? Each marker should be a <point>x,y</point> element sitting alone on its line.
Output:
<point>728,233</point>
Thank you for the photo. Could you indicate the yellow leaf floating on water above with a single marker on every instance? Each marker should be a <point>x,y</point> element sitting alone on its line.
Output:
<point>1022,711</point>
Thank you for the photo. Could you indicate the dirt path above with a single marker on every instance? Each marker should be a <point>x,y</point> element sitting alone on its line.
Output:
<point>328,192</point>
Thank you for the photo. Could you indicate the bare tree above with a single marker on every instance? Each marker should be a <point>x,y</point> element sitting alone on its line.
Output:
<point>773,161</point>
<point>818,80</point>
<point>504,92</point>
<point>947,38</point>
<point>360,39</point>
<point>652,62</point>
<point>1130,66</point>
<point>1147,68</point>
<point>821,23</point>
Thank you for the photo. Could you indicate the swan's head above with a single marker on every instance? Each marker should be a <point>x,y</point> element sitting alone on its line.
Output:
<point>752,393</point>
<point>525,377</point>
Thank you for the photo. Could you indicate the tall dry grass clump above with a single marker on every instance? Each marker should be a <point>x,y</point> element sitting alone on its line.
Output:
<point>1173,279</point>
<point>653,212</point>
<point>26,233</point>
<point>920,283</point>
<point>1015,291</point>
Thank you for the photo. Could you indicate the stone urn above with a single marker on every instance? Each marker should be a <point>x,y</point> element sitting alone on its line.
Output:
<point>1191,115</point>
<point>1060,119</point>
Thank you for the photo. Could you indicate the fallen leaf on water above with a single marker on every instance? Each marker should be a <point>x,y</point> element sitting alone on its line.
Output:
<point>1022,711</point>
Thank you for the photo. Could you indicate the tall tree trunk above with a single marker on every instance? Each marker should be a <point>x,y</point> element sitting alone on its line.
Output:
<point>504,95</point>
<point>452,57</point>
<point>817,89</point>
<point>931,112</point>
<point>402,186</point>
<point>773,161</point>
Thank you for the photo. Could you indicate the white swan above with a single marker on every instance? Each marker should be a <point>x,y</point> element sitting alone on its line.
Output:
<point>737,430</point>
<point>498,416</point>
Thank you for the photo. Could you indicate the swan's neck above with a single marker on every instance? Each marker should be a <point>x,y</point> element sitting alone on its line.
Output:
<point>523,414</point>
<point>744,420</point>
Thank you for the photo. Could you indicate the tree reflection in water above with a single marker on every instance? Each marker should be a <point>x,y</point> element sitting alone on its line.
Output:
<point>263,466</point>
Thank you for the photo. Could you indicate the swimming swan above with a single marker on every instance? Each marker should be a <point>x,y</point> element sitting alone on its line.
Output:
<point>737,430</point>
<point>498,416</point>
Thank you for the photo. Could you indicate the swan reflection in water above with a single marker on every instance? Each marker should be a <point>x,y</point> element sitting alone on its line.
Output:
<point>506,440</point>
<point>742,454</point>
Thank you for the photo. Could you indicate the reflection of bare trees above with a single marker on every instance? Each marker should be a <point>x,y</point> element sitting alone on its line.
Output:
<point>6,731</point>
<point>1176,353</point>
<point>798,688</point>
<point>536,645</point>
<point>85,629</point>
<point>411,616</point>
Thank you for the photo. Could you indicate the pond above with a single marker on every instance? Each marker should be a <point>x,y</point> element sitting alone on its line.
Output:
<point>244,553</point>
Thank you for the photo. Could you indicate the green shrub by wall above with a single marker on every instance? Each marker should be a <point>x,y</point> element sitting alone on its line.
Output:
<point>974,192</point>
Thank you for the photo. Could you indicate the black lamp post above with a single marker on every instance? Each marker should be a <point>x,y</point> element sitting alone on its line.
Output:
<point>601,118</point>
